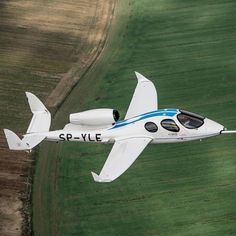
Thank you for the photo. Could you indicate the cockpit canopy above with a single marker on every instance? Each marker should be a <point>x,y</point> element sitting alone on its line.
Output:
<point>190,120</point>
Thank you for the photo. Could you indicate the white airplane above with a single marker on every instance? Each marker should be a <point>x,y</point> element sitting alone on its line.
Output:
<point>144,123</point>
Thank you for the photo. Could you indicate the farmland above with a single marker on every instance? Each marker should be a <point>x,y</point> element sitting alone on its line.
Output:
<point>188,50</point>
<point>41,45</point>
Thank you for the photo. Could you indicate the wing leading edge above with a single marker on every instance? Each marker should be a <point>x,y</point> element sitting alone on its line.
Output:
<point>123,154</point>
<point>144,98</point>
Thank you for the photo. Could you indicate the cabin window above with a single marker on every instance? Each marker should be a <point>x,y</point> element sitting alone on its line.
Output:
<point>190,120</point>
<point>170,125</point>
<point>151,127</point>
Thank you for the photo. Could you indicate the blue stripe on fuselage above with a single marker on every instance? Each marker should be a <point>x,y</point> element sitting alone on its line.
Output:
<point>162,112</point>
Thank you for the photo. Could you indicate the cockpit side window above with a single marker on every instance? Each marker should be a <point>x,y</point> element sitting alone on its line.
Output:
<point>151,127</point>
<point>170,125</point>
<point>190,120</point>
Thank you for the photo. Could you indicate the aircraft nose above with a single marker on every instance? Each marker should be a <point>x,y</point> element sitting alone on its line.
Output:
<point>213,127</point>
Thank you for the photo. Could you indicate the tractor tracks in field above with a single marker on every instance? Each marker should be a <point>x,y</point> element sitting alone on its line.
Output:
<point>91,47</point>
<point>37,32</point>
<point>96,37</point>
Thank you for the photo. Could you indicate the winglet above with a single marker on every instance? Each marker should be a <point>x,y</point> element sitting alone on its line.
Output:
<point>141,78</point>
<point>37,130</point>
<point>96,178</point>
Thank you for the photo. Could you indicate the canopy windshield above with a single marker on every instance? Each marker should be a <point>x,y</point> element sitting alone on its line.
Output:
<point>190,120</point>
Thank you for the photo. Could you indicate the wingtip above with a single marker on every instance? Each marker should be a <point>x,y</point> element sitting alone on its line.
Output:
<point>28,94</point>
<point>95,177</point>
<point>140,77</point>
<point>137,74</point>
<point>98,179</point>
<point>5,130</point>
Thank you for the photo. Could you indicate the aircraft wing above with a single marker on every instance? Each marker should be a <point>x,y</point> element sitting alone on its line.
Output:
<point>144,98</point>
<point>123,153</point>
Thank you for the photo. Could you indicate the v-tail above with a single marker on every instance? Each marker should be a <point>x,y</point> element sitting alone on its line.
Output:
<point>38,127</point>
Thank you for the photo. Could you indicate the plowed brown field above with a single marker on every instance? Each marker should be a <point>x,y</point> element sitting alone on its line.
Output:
<point>45,48</point>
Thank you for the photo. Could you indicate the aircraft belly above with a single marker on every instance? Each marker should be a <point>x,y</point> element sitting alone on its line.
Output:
<point>182,139</point>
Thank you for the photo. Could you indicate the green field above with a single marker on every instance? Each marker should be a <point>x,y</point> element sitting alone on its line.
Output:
<point>188,49</point>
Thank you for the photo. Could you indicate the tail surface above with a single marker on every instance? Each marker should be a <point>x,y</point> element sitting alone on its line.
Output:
<point>41,119</point>
<point>38,127</point>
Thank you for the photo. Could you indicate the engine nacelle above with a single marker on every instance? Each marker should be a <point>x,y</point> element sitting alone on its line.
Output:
<point>95,117</point>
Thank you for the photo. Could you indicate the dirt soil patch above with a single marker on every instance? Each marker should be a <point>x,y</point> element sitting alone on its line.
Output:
<point>45,48</point>
<point>15,185</point>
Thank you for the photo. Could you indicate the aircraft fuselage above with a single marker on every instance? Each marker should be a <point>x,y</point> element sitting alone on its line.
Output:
<point>162,126</point>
